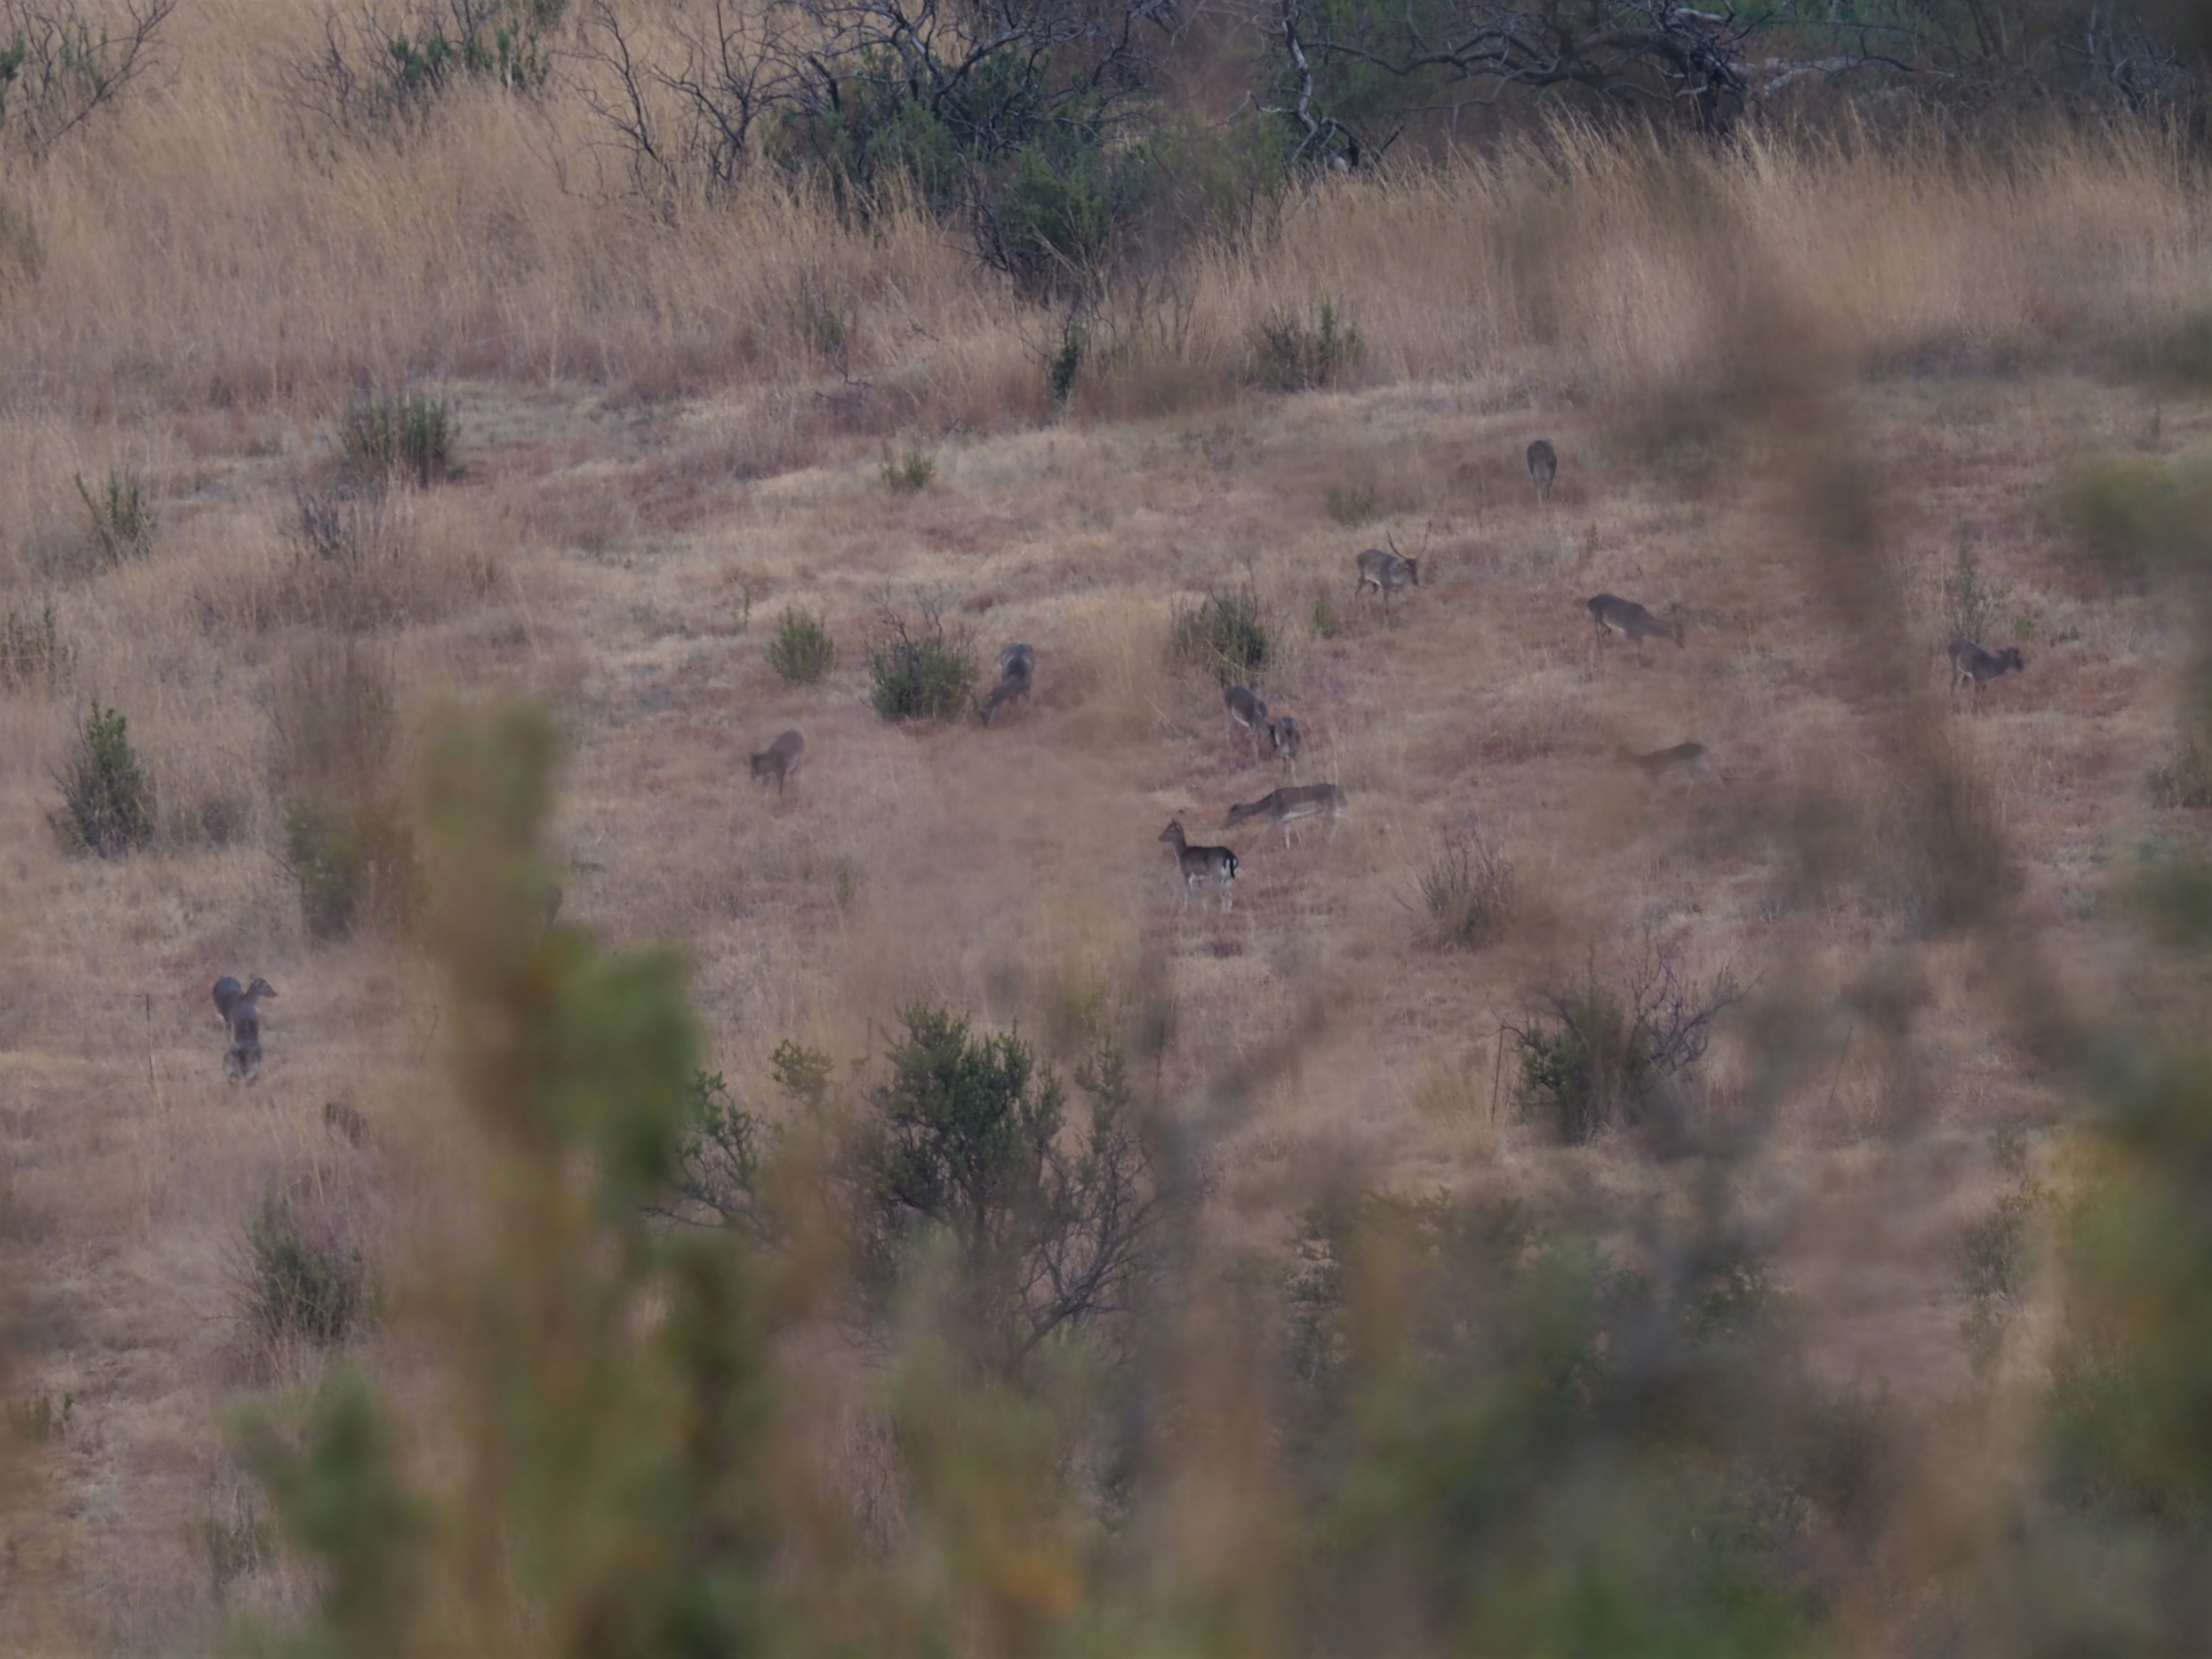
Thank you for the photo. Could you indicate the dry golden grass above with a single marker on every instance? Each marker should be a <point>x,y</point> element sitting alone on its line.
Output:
<point>657,465</point>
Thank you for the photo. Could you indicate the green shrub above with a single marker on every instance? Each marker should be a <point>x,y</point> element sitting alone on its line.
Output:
<point>1225,634</point>
<point>1595,1055</point>
<point>1468,891</point>
<point>2185,780</point>
<point>801,651</point>
<point>920,672</point>
<point>122,521</point>
<point>33,653</point>
<point>909,469</point>
<point>1287,355</point>
<point>962,1147</point>
<point>408,436</point>
<point>1325,619</point>
<point>107,800</point>
<point>299,1283</point>
<point>1065,364</point>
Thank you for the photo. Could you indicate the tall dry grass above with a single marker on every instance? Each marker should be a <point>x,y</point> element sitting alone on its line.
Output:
<point>213,241</point>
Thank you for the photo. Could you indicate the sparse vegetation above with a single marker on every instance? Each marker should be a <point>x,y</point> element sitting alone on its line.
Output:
<point>123,520</point>
<point>33,655</point>
<point>108,798</point>
<point>801,651</point>
<point>1350,505</point>
<point>1467,891</point>
<point>1975,607</point>
<point>2185,779</point>
<point>1225,634</point>
<point>921,670</point>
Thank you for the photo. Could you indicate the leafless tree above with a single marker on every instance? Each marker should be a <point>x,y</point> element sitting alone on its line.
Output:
<point>60,64</point>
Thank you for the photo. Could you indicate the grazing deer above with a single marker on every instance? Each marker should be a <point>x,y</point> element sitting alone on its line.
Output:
<point>1387,573</point>
<point>1284,741</point>
<point>1017,675</point>
<point>1609,613</point>
<point>776,762</point>
<point>1286,807</point>
<point>1971,666</point>
<point>1682,760</point>
<point>1248,713</point>
<point>1543,467</point>
<point>1215,864</point>
<point>242,1018</point>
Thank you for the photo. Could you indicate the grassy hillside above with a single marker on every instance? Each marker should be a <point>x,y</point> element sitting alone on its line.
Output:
<point>1825,406</point>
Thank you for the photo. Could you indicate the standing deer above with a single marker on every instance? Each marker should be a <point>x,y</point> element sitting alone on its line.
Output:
<point>1017,675</point>
<point>1543,467</point>
<point>1971,666</point>
<point>780,760</point>
<point>1387,572</point>
<point>242,1018</point>
<point>1215,864</point>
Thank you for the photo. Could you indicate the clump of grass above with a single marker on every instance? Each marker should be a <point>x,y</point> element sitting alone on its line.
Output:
<point>123,518</point>
<point>33,656</point>
<point>349,845</point>
<point>1995,1257</point>
<point>232,1547</point>
<point>1975,607</point>
<point>107,800</point>
<point>801,651</point>
<point>409,436</point>
<point>1466,891</point>
<point>1288,355</point>
<point>1225,633</point>
<point>1350,504</point>
<point>357,566</point>
<point>39,1418</point>
<point>2185,779</point>
<point>299,1282</point>
<point>910,469</point>
<point>920,671</point>
<point>1325,619</point>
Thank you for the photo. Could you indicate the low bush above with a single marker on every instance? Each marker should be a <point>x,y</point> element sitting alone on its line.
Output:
<point>1466,891</point>
<point>921,670</point>
<point>123,520</point>
<point>1226,635</point>
<point>299,1282</point>
<point>1596,1055</point>
<point>801,652</point>
<point>354,864</point>
<point>107,800</point>
<point>39,1418</point>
